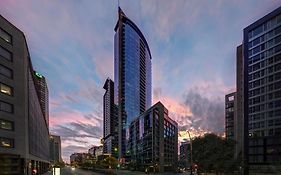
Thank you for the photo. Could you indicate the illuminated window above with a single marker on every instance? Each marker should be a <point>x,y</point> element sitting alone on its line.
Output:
<point>6,107</point>
<point>7,143</point>
<point>6,71</point>
<point>5,36</point>
<point>4,124</point>
<point>6,89</point>
<point>5,54</point>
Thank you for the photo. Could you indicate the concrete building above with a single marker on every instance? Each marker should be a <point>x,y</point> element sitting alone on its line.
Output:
<point>153,141</point>
<point>262,92</point>
<point>55,149</point>
<point>132,76</point>
<point>110,120</point>
<point>24,133</point>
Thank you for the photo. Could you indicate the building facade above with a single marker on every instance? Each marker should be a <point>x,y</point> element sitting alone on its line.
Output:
<point>110,120</point>
<point>185,157</point>
<point>43,94</point>
<point>230,115</point>
<point>95,151</point>
<point>262,91</point>
<point>153,141</point>
<point>24,135</point>
<point>55,149</point>
<point>132,76</point>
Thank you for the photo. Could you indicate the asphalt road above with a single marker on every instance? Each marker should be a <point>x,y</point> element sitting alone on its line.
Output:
<point>73,171</point>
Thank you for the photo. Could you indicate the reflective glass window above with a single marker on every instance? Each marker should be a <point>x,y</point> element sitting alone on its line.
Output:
<point>4,124</point>
<point>5,142</point>
<point>5,36</point>
<point>5,54</point>
<point>5,89</point>
<point>6,107</point>
<point>6,71</point>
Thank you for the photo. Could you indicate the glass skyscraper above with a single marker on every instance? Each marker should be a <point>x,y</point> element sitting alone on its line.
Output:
<point>262,77</point>
<point>132,76</point>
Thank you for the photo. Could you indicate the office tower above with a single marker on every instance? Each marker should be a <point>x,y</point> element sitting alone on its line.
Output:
<point>132,76</point>
<point>230,115</point>
<point>153,141</point>
<point>262,91</point>
<point>55,149</point>
<point>43,94</point>
<point>110,120</point>
<point>24,134</point>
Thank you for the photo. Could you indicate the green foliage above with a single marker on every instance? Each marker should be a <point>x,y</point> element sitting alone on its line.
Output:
<point>213,153</point>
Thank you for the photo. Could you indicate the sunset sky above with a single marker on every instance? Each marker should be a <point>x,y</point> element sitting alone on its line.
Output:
<point>193,45</point>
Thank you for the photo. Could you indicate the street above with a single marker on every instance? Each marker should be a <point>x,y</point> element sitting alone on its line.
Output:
<point>76,171</point>
<point>73,171</point>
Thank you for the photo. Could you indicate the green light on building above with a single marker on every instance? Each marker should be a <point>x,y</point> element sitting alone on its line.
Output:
<point>38,75</point>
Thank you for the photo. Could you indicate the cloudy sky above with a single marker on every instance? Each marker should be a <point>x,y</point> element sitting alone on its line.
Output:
<point>193,45</point>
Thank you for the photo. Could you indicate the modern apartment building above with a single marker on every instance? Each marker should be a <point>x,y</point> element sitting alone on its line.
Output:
<point>24,133</point>
<point>262,91</point>
<point>153,141</point>
<point>55,149</point>
<point>132,76</point>
<point>110,120</point>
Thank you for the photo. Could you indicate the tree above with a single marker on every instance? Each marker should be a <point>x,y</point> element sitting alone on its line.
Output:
<point>213,153</point>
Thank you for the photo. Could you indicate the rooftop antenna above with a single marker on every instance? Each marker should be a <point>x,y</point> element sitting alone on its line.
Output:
<point>118,3</point>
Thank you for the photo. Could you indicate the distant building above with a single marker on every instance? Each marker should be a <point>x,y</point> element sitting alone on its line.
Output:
<point>230,115</point>
<point>24,132</point>
<point>78,159</point>
<point>43,94</point>
<point>262,92</point>
<point>153,140</point>
<point>55,149</point>
<point>96,151</point>
<point>184,159</point>
<point>110,120</point>
<point>132,76</point>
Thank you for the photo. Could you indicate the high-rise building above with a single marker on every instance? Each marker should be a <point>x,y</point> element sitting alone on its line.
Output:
<point>43,94</point>
<point>110,120</point>
<point>153,141</point>
<point>239,129</point>
<point>262,91</point>
<point>24,133</point>
<point>230,115</point>
<point>132,76</point>
<point>55,149</point>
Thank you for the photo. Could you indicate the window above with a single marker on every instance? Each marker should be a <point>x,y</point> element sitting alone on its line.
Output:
<point>5,89</point>
<point>5,36</point>
<point>5,54</point>
<point>6,107</point>
<point>5,142</point>
<point>6,71</point>
<point>4,124</point>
